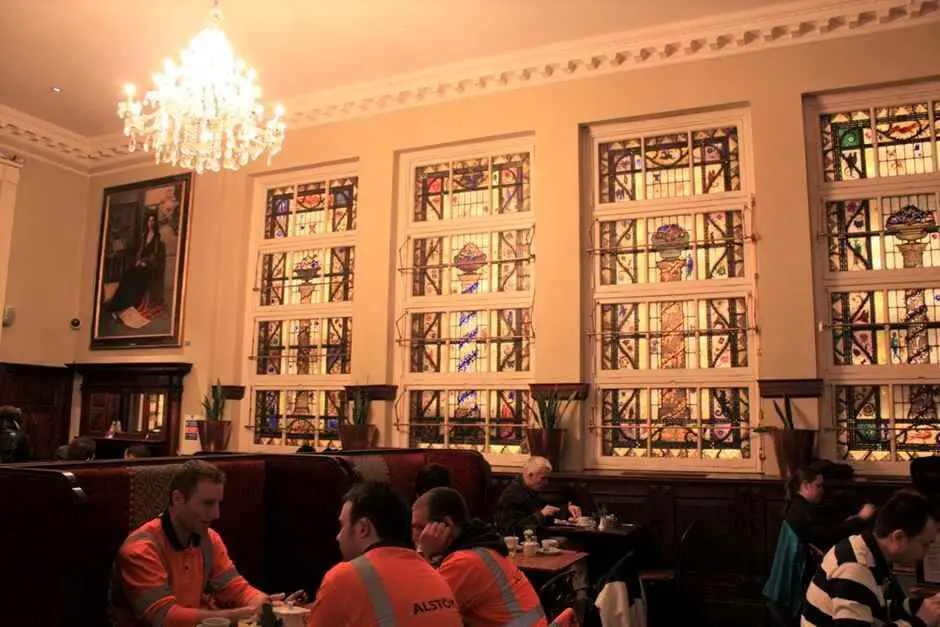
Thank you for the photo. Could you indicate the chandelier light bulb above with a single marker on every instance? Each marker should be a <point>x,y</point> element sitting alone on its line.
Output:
<point>203,113</point>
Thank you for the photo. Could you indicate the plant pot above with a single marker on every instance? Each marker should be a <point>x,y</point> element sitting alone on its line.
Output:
<point>356,437</point>
<point>546,443</point>
<point>795,449</point>
<point>214,434</point>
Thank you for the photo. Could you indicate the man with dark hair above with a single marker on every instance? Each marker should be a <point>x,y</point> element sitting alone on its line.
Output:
<point>138,451</point>
<point>854,584</point>
<point>81,449</point>
<point>490,590</point>
<point>171,570</point>
<point>381,582</point>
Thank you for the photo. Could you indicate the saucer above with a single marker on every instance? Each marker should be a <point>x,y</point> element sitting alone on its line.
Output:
<point>549,551</point>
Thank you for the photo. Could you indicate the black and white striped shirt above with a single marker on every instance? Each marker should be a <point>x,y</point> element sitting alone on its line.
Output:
<point>854,587</point>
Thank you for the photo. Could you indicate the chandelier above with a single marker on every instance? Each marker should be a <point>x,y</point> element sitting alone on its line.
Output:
<point>205,112</point>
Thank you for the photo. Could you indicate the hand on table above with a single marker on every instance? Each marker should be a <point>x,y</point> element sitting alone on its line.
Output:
<point>930,611</point>
<point>574,511</point>
<point>549,511</point>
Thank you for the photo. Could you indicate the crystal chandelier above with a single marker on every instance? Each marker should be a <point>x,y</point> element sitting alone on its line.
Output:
<point>204,113</point>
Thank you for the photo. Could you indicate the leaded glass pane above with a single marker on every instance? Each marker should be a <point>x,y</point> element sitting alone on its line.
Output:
<point>890,233</point>
<point>472,263</point>
<point>715,163</point>
<point>847,145</point>
<point>489,421</point>
<point>475,341</point>
<point>296,417</point>
<point>306,346</point>
<point>709,333</point>
<point>694,247</point>
<point>880,327</point>
<point>314,208</point>
<point>307,277</point>
<point>702,423</point>
<point>872,418</point>
<point>904,142</point>
<point>470,188</point>
<point>666,166</point>
<point>621,170</point>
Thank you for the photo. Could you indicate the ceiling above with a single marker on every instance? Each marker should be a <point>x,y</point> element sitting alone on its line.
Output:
<point>91,48</point>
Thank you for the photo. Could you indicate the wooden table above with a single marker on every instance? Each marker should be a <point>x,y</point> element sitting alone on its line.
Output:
<point>620,531</point>
<point>549,563</point>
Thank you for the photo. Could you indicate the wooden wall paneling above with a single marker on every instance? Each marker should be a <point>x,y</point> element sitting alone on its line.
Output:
<point>44,395</point>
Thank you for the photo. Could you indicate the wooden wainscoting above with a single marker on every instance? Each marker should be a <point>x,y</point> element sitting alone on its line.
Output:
<point>44,394</point>
<point>736,521</point>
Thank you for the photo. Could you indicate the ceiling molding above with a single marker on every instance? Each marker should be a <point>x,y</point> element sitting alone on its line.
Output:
<point>779,25</point>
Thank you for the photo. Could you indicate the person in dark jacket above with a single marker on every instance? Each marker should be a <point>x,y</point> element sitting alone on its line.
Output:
<point>521,507</point>
<point>805,518</point>
<point>14,443</point>
<point>471,556</point>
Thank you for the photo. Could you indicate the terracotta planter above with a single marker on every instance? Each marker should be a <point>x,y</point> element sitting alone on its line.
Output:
<point>546,443</point>
<point>357,437</point>
<point>214,434</point>
<point>795,448</point>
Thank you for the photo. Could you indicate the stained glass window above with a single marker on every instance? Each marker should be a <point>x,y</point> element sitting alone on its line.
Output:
<point>885,233</point>
<point>878,327</point>
<point>674,165</point>
<point>692,247</point>
<point>703,423</point>
<point>709,333</point>
<point>307,277</point>
<point>315,208</point>
<point>294,417</point>
<point>885,141</point>
<point>486,420</point>
<point>887,422</point>
<point>472,263</point>
<point>475,341</point>
<point>304,346</point>
<point>472,188</point>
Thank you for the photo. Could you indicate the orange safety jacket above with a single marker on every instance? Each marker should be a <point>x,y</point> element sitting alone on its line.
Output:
<point>161,583</point>
<point>491,591</point>
<point>385,587</point>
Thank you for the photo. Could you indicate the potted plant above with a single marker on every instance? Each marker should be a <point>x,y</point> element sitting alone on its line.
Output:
<point>547,438</point>
<point>794,448</point>
<point>355,432</point>
<point>214,431</point>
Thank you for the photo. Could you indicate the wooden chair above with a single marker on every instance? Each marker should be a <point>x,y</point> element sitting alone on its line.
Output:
<point>667,583</point>
<point>558,593</point>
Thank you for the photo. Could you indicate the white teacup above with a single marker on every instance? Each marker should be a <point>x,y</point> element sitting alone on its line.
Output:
<point>512,543</point>
<point>550,545</point>
<point>292,615</point>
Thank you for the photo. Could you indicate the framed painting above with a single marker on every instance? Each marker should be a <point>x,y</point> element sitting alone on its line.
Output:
<point>141,279</point>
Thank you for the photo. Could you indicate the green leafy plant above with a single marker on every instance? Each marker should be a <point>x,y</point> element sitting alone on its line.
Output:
<point>552,408</point>
<point>214,402</point>
<point>360,408</point>
<point>785,415</point>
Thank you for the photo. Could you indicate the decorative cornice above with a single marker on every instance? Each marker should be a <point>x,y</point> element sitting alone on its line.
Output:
<point>792,23</point>
<point>10,159</point>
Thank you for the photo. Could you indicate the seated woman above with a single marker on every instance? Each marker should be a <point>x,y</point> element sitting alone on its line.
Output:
<point>141,285</point>
<point>807,487</point>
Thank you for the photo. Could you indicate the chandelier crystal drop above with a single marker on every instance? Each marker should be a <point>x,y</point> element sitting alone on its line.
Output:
<point>204,113</point>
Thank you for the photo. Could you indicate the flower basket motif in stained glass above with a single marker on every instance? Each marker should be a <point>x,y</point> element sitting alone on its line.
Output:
<point>911,223</point>
<point>669,241</point>
<point>307,269</point>
<point>299,278</point>
<point>469,260</point>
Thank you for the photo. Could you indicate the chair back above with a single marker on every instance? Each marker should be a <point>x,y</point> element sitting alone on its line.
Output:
<point>566,619</point>
<point>558,593</point>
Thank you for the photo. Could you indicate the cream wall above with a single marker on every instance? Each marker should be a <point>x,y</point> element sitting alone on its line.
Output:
<point>46,248</point>
<point>772,83</point>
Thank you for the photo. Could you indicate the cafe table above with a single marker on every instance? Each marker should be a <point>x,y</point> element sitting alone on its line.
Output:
<point>550,564</point>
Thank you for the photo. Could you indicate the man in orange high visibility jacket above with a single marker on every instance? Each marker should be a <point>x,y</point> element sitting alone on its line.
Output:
<point>174,570</point>
<point>381,582</point>
<point>490,590</point>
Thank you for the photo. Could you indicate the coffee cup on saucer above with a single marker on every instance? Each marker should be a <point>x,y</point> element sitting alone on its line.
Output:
<point>550,545</point>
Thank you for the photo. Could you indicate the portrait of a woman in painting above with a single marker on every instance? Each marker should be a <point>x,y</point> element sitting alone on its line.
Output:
<point>142,264</point>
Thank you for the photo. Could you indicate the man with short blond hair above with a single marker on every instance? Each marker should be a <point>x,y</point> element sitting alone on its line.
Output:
<point>174,570</point>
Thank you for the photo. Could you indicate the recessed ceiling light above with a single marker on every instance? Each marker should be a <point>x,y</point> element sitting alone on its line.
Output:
<point>55,89</point>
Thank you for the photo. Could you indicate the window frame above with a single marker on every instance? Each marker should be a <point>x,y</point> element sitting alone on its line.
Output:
<point>826,281</point>
<point>258,245</point>
<point>407,230</point>
<point>738,287</point>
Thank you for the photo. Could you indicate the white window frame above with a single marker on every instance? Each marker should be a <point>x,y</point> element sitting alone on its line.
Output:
<point>827,281</point>
<point>743,287</point>
<point>406,304</point>
<point>257,247</point>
